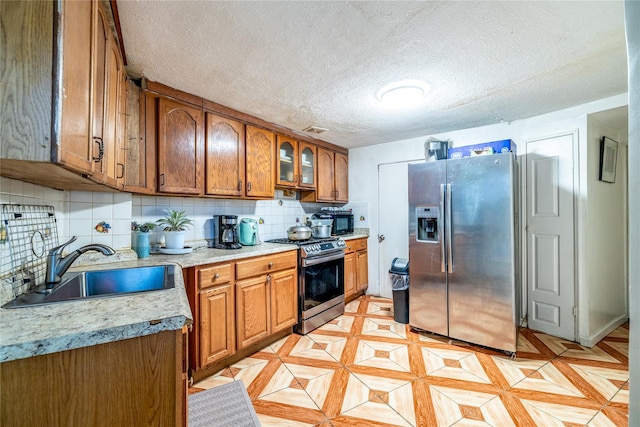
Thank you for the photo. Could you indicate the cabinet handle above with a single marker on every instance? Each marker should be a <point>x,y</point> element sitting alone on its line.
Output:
<point>121,174</point>
<point>216,276</point>
<point>248,186</point>
<point>270,265</point>
<point>161,179</point>
<point>190,328</point>
<point>337,194</point>
<point>239,185</point>
<point>268,278</point>
<point>100,143</point>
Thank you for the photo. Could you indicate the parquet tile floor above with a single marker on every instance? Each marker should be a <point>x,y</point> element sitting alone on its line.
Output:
<point>364,369</point>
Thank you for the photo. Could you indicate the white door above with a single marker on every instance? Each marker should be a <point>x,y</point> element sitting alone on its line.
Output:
<point>550,236</point>
<point>393,220</point>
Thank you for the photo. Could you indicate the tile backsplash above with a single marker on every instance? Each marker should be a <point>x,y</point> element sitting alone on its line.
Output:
<point>79,212</point>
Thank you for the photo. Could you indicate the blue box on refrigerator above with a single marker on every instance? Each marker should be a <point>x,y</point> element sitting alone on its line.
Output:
<point>494,147</point>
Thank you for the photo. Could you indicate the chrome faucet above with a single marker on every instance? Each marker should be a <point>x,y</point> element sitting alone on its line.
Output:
<point>57,265</point>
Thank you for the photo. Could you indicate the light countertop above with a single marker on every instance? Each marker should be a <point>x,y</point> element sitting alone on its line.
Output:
<point>44,329</point>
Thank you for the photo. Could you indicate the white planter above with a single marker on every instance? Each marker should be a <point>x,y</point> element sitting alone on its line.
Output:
<point>174,239</point>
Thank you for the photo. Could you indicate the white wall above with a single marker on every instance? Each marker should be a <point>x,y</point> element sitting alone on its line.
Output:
<point>605,240</point>
<point>632,17</point>
<point>363,162</point>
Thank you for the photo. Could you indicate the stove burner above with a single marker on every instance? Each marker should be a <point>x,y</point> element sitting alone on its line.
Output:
<point>303,242</point>
<point>315,247</point>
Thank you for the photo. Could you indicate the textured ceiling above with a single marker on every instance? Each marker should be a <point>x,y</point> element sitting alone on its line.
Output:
<point>302,63</point>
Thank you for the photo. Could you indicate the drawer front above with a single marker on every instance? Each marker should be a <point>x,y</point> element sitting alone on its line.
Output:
<point>214,275</point>
<point>266,264</point>
<point>355,245</point>
<point>360,244</point>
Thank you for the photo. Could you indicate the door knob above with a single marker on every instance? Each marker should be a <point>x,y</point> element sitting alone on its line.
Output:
<point>380,238</point>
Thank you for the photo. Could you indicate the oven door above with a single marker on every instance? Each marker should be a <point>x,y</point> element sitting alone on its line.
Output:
<point>321,283</point>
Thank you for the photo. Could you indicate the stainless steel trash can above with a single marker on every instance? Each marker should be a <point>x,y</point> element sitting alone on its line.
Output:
<point>399,275</point>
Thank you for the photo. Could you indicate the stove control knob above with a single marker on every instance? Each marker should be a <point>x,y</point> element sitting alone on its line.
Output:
<point>341,243</point>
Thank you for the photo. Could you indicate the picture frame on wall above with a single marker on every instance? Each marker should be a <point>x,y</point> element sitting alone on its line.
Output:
<point>608,159</point>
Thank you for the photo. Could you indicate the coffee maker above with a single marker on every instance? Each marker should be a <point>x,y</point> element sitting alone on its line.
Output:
<point>226,234</point>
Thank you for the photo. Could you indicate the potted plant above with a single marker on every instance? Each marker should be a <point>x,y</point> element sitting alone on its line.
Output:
<point>174,225</point>
<point>140,238</point>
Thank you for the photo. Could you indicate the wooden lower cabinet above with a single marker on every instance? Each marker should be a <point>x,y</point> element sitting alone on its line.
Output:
<point>284,300</point>
<point>238,304</point>
<point>350,273</point>
<point>362,276</point>
<point>133,382</point>
<point>217,323</point>
<point>266,296</point>
<point>356,268</point>
<point>252,310</point>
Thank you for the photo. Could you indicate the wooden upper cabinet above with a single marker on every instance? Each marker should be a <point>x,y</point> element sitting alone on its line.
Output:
<point>107,135</point>
<point>260,162</point>
<point>287,160</point>
<point>75,149</point>
<point>341,178</point>
<point>333,176</point>
<point>296,163</point>
<point>180,147</point>
<point>306,165</point>
<point>225,156</point>
<point>326,171</point>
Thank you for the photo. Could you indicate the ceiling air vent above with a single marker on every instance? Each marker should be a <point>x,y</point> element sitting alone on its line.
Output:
<point>314,129</point>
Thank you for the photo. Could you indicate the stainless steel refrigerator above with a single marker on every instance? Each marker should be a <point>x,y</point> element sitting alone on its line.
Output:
<point>463,280</point>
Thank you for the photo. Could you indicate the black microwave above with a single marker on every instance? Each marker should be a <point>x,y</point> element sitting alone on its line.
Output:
<point>342,222</point>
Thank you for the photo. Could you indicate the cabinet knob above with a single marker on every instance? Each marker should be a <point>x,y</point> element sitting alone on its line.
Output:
<point>270,265</point>
<point>216,276</point>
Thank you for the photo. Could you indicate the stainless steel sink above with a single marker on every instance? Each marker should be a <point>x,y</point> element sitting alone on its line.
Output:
<point>100,283</point>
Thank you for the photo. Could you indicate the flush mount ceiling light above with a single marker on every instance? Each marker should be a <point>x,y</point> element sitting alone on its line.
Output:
<point>403,92</point>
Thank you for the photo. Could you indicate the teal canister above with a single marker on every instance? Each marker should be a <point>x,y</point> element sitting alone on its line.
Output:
<point>249,232</point>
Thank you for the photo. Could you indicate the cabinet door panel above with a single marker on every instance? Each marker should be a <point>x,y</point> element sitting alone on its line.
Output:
<point>252,311</point>
<point>75,123</point>
<point>287,171</point>
<point>284,300</point>
<point>349,274</point>
<point>341,178</point>
<point>179,147</point>
<point>307,166</point>
<point>99,70</point>
<point>224,163</point>
<point>363,270</point>
<point>217,325</point>
<point>260,161</point>
<point>112,145</point>
<point>326,172</point>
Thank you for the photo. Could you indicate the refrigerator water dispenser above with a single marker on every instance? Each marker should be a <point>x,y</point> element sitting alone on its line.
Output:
<point>427,222</point>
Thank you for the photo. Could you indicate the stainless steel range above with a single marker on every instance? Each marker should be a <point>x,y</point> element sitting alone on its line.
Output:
<point>320,281</point>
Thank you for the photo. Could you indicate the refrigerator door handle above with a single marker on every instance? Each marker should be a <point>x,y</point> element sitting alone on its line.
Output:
<point>448,227</point>
<point>443,255</point>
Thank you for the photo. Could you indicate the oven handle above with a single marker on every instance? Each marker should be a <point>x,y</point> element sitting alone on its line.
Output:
<point>307,262</point>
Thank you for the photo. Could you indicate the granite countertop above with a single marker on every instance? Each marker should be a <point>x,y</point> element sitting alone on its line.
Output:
<point>44,329</point>
<point>37,330</point>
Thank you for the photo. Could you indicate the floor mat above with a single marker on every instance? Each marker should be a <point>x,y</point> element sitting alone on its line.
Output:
<point>227,405</point>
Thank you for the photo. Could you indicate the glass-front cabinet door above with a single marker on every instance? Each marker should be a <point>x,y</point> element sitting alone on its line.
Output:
<point>307,162</point>
<point>287,158</point>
